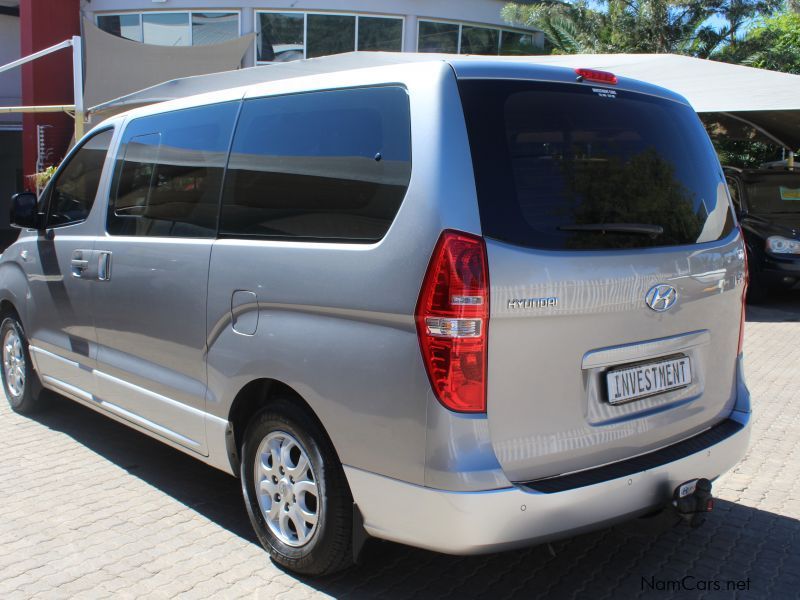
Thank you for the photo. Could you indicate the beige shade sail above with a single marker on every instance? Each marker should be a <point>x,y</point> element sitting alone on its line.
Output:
<point>116,66</point>
<point>722,93</point>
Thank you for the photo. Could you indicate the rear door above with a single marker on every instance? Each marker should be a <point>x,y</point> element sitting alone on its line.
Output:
<point>615,270</point>
<point>150,307</point>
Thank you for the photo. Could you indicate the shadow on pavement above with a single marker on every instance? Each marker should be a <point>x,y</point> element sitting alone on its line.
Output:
<point>781,306</point>
<point>737,544</point>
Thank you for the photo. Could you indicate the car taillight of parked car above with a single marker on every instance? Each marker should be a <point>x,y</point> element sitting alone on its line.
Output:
<point>452,317</point>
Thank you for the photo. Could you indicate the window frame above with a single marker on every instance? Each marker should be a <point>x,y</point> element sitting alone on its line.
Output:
<point>51,186</point>
<point>141,13</point>
<point>732,181</point>
<point>461,24</point>
<point>305,13</point>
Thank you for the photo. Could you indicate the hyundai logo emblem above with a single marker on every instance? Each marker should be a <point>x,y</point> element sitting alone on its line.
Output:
<point>661,297</point>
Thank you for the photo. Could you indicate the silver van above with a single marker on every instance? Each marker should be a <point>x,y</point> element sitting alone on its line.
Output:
<point>465,304</point>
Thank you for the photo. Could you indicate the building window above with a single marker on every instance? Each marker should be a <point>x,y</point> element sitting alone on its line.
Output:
<point>166,29</point>
<point>280,36</point>
<point>286,36</point>
<point>330,34</point>
<point>462,38</point>
<point>214,27</point>
<point>518,43</point>
<point>126,26</point>
<point>479,40</point>
<point>379,34</point>
<point>173,28</point>
<point>438,37</point>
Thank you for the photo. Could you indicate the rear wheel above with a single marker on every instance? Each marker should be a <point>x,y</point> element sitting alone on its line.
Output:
<point>20,382</point>
<point>295,491</point>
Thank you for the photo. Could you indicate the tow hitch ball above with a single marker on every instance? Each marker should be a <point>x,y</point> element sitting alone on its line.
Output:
<point>692,500</point>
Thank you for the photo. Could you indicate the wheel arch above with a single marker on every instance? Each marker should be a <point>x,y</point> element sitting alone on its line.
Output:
<point>253,397</point>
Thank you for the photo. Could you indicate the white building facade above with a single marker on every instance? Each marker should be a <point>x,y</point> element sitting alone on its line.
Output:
<point>295,29</point>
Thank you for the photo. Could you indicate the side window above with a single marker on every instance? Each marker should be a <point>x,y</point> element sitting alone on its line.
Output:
<point>331,165</point>
<point>733,187</point>
<point>72,193</point>
<point>168,173</point>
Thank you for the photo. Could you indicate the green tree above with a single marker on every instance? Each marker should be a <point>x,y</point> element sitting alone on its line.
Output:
<point>775,43</point>
<point>639,26</point>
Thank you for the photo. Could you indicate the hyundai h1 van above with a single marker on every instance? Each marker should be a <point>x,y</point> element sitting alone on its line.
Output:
<point>461,304</point>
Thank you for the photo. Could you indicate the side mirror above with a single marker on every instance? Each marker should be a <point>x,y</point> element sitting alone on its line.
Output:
<point>24,213</point>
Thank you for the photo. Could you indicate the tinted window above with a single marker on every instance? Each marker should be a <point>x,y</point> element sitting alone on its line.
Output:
<point>280,36</point>
<point>774,193</point>
<point>330,34</point>
<point>378,34</point>
<point>326,165</point>
<point>168,175</point>
<point>518,44</point>
<point>438,37</point>
<point>556,162</point>
<point>479,40</point>
<point>127,26</point>
<point>75,188</point>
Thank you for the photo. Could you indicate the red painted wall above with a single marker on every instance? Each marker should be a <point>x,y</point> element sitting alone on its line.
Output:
<point>47,80</point>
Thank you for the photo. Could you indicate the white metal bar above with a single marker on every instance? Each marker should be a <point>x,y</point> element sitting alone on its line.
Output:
<point>758,128</point>
<point>35,55</point>
<point>38,109</point>
<point>77,85</point>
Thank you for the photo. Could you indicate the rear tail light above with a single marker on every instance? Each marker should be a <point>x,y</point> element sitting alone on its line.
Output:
<point>597,76</point>
<point>744,295</point>
<point>452,318</point>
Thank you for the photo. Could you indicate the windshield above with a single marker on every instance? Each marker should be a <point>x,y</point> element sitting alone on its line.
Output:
<point>564,166</point>
<point>774,193</point>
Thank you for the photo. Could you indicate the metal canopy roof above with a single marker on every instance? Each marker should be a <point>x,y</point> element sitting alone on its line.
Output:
<point>768,100</point>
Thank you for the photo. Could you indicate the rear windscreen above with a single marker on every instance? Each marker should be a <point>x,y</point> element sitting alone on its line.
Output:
<point>777,193</point>
<point>563,166</point>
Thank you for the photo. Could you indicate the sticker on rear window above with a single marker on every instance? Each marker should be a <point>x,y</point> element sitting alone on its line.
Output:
<point>790,193</point>
<point>604,92</point>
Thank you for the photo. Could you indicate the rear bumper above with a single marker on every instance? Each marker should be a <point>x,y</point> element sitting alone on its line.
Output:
<point>494,520</point>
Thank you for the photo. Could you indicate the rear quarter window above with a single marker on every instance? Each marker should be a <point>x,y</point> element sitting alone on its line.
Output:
<point>555,162</point>
<point>319,166</point>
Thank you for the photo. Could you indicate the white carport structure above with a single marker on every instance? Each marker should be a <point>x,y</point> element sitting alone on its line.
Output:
<point>729,95</point>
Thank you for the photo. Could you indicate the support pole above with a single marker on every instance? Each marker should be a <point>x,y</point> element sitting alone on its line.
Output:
<point>77,85</point>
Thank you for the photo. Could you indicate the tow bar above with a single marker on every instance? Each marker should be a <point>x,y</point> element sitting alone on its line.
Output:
<point>692,500</point>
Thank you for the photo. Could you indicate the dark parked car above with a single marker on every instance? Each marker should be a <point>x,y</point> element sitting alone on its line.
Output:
<point>767,203</point>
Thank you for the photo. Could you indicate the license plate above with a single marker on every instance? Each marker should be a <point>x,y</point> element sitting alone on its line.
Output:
<point>648,379</point>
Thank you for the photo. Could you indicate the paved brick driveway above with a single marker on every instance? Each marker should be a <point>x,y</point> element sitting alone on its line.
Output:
<point>91,509</point>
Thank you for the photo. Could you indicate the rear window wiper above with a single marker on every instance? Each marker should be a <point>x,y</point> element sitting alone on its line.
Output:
<point>637,228</point>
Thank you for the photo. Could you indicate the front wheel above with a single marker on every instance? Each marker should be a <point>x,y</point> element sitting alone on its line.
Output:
<point>295,491</point>
<point>20,383</point>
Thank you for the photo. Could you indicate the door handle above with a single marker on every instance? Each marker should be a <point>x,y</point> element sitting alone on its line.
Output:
<point>104,265</point>
<point>79,264</point>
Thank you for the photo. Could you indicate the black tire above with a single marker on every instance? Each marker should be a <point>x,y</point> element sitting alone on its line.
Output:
<point>329,547</point>
<point>30,399</point>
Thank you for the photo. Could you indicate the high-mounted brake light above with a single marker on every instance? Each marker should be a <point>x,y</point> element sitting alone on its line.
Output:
<point>452,318</point>
<point>597,76</point>
<point>744,296</point>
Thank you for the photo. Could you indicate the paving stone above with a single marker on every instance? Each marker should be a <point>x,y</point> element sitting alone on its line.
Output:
<point>92,509</point>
